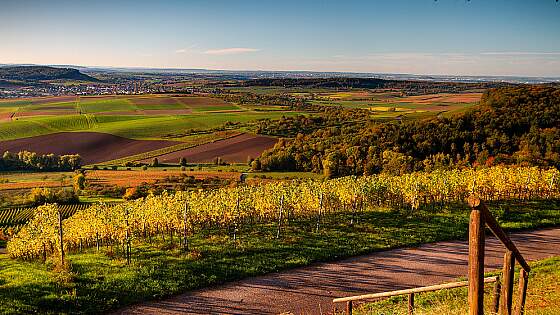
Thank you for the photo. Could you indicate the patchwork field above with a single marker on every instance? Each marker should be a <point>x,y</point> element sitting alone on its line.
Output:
<point>114,127</point>
<point>92,146</point>
<point>232,150</point>
<point>387,105</point>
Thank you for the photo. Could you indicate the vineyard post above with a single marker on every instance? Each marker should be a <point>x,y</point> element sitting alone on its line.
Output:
<point>185,239</point>
<point>349,308</point>
<point>236,218</point>
<point>523,278</point>
<point>411,303</point>
<point>320,211</point>
<point>507,287</point>
<point>127,236</point>
<point>60,238</point>
<point>280,217</point>
<point>97,240</point>
<point>496,300</point>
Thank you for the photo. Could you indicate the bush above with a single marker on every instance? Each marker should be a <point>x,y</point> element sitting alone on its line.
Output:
<point>39,196</point>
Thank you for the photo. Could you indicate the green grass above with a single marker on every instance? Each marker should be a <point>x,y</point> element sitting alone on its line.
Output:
<point>22,128</point>
<point>135,127</point>
<point>106,105</point>
<point>65,105</point>
<point>543,296</point>
<point>14,103</point>
<point>102,283</point>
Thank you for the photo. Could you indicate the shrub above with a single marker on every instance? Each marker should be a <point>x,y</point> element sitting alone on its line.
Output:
<point>39,196</point>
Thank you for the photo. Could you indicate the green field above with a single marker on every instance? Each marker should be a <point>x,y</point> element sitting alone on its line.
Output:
<point>97,116</point>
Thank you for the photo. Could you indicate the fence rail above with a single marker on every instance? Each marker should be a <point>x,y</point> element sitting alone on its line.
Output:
<point>503,290</point>
<point>410,292</point>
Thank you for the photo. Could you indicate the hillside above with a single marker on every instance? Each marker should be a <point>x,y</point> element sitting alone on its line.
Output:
<point>41,73</point>
<point>511,125</point>
<point>373,83</point>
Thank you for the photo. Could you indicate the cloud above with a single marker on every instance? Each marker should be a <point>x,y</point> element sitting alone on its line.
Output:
<point>186,50</point>
<point>521,53</point>
<point>230,51</point>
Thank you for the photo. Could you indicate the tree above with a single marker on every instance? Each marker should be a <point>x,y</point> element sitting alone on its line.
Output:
<point>183,161</point>
<point>79,182</point>
<point>130,193</point>
<point>155,162</point>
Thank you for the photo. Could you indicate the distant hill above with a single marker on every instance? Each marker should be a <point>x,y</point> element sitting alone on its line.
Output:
<point>41,73</point>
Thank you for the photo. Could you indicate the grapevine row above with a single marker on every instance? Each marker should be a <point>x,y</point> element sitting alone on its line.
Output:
<point>183,213</point>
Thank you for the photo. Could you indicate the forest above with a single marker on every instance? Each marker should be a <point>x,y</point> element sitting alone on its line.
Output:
<point>409,87</point>
<point>511,125</point>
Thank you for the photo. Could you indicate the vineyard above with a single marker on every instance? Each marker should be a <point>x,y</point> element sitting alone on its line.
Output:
<point>15,218</point>
<point>183,213</point>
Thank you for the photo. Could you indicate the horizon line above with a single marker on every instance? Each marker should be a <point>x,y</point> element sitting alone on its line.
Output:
<point>261,70</point>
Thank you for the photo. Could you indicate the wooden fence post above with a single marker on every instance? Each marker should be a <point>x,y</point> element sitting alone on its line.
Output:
<point>349,308</point>
<point>496,300</point>
<point>411,303</point>
<point>523,278</point>
<point>476,263</point>
<point>60,238</point>
<point>280,217</point>
<point>507,287</point>
<point>185,239</point>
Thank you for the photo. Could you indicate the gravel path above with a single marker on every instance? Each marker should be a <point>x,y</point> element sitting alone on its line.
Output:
<point>309,290</point>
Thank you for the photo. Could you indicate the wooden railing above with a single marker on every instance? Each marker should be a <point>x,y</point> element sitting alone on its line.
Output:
<point>410,292</point>
<point>479,218</point>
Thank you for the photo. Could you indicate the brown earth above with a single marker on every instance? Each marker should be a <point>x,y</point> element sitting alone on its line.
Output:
<point>310,290</point>
<point>198,101</point>
<point>93,147</point>
<point>29,185</point>
<point>134,178</point>
<point>58,108</point>
<point>153,112</point>
<point>103,97</point>
<point>56,99</point>
<point>443,98</point>
<point>235,149</point>
<point>6,116</point>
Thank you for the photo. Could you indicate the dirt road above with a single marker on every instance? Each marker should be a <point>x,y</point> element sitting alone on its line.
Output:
<point>309,290</point>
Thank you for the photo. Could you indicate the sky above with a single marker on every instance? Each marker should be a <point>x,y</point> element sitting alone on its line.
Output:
<point>452,37</point>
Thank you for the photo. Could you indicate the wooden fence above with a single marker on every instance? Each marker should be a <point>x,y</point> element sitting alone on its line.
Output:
<point>503,288</point>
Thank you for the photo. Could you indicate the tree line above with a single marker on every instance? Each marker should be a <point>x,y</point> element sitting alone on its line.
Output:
<point>513,125</point>
<point>31,161</point>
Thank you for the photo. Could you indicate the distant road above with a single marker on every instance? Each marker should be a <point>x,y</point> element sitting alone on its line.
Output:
<point>309,290</point>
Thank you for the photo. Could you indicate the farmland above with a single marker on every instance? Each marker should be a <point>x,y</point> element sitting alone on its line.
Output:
<point>149,123</point>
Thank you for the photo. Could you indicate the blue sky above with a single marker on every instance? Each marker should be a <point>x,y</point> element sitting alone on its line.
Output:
<point>479,37</point>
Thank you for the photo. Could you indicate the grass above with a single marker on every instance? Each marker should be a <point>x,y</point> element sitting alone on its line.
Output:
<point>101,283</point>
<point>543,296</point>
<point>134,127</point>
<point>106,105</point>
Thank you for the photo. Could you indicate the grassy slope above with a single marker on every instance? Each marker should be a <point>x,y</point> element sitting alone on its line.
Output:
<point>135,127</point>
<point>102,283</point>
<point>543,296</point>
